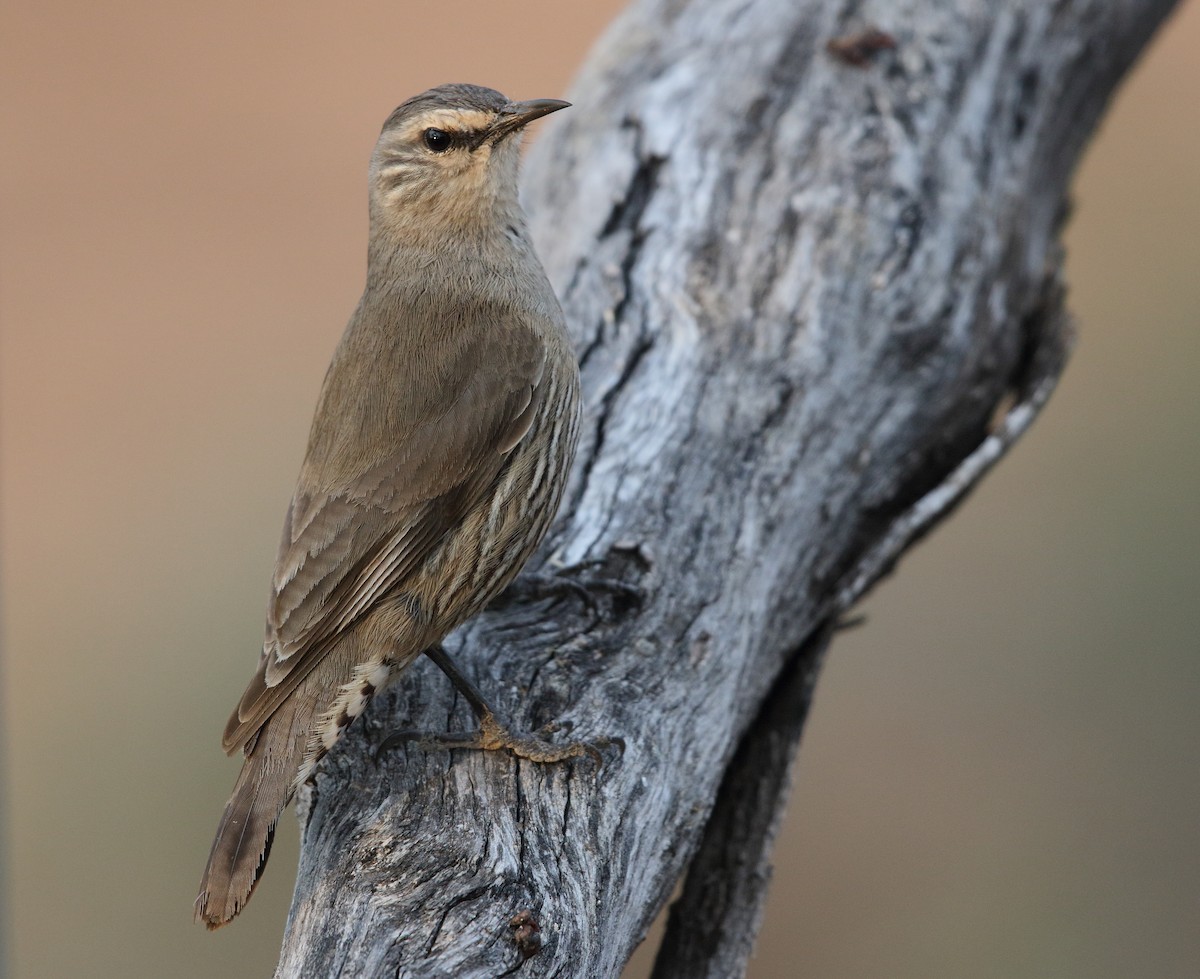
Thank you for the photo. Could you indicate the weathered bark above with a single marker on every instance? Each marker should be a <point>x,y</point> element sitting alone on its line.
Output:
<point>813,304</point>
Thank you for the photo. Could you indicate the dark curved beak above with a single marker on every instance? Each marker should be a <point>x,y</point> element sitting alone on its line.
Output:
<point>518,115</point>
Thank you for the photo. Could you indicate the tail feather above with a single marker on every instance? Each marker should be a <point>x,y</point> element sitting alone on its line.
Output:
<point>243,841</point>
<point>247,826</point>
<point>279,754</point>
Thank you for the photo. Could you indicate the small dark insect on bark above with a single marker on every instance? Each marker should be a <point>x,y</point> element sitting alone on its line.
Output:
<point>857,48</point>
<point>526,933</point>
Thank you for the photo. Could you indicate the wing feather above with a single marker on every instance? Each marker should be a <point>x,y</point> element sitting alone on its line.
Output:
<point>346,546</point>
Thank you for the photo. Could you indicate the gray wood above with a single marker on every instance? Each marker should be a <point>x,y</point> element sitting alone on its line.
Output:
<point>813,304</point>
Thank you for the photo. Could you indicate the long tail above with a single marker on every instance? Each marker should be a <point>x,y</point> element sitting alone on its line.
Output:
<point>243,842</point>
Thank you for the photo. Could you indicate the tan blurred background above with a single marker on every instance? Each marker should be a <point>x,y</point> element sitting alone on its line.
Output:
<point>1000,776</point>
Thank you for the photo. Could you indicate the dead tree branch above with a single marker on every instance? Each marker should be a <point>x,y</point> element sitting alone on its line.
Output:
<point>815,293</point>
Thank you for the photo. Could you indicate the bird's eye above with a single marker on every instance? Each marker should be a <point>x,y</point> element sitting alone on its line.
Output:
<point>437,140</point>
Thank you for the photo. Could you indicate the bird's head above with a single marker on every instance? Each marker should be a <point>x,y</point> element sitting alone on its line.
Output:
<point>448,158</point>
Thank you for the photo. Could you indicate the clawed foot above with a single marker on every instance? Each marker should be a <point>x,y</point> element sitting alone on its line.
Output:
<point>494,736</point>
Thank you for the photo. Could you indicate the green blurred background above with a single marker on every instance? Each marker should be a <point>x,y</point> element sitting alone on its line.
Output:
<point>1000,774</point>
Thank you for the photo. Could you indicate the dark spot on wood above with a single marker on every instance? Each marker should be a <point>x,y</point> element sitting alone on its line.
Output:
<point>908,228</point>
<point>1027,87</point>
<point>526,933</point>
<point>857,48</point>
<point>636,551</point>
<point>766,273</point>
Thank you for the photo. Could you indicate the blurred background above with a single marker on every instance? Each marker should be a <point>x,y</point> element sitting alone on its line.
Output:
<point>1000,774</point>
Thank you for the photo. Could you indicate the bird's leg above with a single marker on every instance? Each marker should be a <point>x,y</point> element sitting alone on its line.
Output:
<point>492,734</point>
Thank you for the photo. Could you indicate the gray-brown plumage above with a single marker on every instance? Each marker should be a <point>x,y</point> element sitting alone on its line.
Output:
<point>441,442</point>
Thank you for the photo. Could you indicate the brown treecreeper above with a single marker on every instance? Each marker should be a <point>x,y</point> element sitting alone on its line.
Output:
<point>442,439</point>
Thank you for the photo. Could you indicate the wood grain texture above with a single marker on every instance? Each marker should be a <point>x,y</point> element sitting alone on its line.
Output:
<point>813,303</point>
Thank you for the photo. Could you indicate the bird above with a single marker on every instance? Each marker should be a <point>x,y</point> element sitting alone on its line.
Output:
<point>440,445</point>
